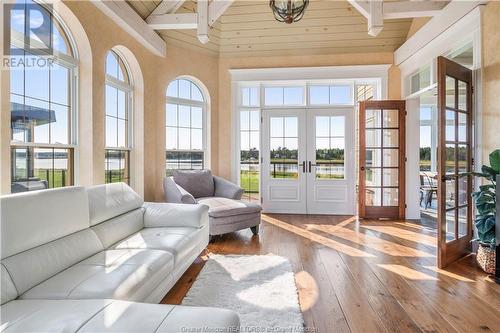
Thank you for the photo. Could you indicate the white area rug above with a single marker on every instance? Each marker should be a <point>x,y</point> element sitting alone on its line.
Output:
<point>261,289</point>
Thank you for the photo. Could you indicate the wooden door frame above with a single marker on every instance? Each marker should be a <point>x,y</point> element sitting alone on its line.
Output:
<point>451,251</point>
<point>383,211</point>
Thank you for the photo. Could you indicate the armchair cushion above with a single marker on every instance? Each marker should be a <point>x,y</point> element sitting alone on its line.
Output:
<point>199,183</point>
<point>226,189</point>
<point>176,194</point>
<point>224,207</point>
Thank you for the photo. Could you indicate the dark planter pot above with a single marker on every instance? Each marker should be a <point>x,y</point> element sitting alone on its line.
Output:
<point>485,258</point>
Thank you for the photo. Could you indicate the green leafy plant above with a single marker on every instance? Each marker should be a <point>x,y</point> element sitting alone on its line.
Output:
<point>485,200</point>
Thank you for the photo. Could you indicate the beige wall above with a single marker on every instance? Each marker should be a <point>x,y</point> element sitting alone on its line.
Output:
<point>225,99</point>
<point>491,78</point>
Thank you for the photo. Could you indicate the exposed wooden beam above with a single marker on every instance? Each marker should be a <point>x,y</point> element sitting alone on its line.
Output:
<point>361,6</point>
<point>167,7</point>
<point>375,11</point>
<point>216,9</point>
<point>452,13</point>
<point>410,9</point>
<point>375,18</point>
<point>173,21</point>
<point>123,15</point>
<point>202,21</point>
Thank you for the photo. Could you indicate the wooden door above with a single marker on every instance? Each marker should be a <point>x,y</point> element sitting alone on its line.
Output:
<point>382,159</point>
<point>454,161</point>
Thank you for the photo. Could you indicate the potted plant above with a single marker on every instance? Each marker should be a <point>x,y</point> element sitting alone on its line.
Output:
<point>485,200</point>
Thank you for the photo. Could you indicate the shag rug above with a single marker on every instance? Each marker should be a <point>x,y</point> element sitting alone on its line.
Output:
<point>260,288</point>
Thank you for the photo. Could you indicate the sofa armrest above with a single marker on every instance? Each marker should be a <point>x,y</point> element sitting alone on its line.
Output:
<point>175,193</point>
<point>158,215</point>
<point>226,189</point>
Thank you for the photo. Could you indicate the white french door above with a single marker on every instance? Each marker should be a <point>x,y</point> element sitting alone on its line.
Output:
<point>308,161</point>
<point>284,161</point>
<point>331,183</point>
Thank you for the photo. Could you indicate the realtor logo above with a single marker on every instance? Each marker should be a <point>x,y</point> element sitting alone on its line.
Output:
<point>29,23</point>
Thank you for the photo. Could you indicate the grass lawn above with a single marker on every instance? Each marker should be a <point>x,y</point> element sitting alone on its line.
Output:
<point>249,181</point>
<point>57,179</point>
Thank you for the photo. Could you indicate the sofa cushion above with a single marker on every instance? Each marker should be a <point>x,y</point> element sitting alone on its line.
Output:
<point>110,200</point>
<point>182,242</point>
<point>125,274</point>
<point>112,316</point>
<point>49,315</point>
<point>34,218</point>
<point>199,183</point>
<point>31,267</point>
<point>103,315</point>
<point>161,318</point>
<point>8,290</point>
<point>120,227</point>
<point>223,207</point>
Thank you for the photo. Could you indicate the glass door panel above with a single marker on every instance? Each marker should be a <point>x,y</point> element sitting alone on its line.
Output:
<point>283,161</point>
<point>454,155</point>
<point>382,159</point>
<point>331,178</point>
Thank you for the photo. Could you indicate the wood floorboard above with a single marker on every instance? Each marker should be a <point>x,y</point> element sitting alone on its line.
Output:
<point>366,275</point>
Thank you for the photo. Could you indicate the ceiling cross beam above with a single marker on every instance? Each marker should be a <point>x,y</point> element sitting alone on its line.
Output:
<point>125,17</point>
<point>216,9</point>
<point>165,18</point>
<point>376,11</point>
<point>167,7</point>
<point>202,28</point>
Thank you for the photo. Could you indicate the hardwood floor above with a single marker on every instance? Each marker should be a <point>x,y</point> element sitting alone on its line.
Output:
<point>367,276</point>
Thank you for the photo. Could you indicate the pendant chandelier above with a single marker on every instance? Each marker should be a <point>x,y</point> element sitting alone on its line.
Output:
<point>288,11</point>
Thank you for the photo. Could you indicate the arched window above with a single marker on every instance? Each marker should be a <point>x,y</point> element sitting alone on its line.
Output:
<point>186,141</point>
<point>43,69</point>
<point>118,119</point>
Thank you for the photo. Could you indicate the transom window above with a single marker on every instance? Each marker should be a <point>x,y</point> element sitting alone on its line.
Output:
<point>185,140</point>
<point>42,102</point>
<point>340,94</point>
<point>118,115</point>
<point>278,96</point>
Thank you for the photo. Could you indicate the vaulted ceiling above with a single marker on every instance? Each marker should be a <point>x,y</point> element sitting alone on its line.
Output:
<point>248,28</point>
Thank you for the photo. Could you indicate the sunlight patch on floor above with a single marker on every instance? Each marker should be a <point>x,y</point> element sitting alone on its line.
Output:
<point>404,234</point>
<point>308,290</point>
<point>407,272</point>
<point>317,238</point>
<point>449,274</point>
<point>378,244</point>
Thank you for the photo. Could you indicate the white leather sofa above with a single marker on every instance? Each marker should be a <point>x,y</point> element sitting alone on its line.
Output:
<point>78,259</point>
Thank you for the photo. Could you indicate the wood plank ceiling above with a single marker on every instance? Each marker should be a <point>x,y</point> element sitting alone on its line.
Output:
<point>248,28</point>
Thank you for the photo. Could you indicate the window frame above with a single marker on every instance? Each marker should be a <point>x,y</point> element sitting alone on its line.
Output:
<point>128,89</point>
<point>189,103</point>
<point>330,85</point>
<point>379,91</point>
<point>71,63</point>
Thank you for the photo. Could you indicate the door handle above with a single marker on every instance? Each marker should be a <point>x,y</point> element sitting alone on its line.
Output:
<point>311,165</point>
<point>303,166</point>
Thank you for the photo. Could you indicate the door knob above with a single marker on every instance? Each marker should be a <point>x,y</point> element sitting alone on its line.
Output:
<point>362,168</point>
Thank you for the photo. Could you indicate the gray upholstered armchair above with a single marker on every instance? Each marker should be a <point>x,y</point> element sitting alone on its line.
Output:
<point>227,212</point>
